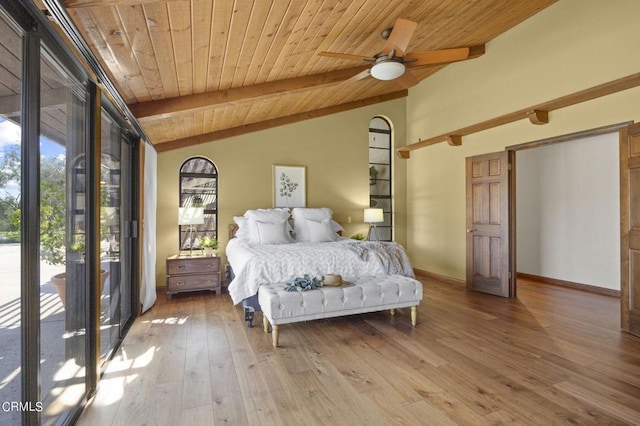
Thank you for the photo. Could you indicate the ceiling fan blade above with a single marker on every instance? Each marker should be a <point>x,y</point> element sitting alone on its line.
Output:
<point>400,36</point>
<point>344,56</point>
<point>360,76</point>
<point>443,56</point>
<point>407,80</point>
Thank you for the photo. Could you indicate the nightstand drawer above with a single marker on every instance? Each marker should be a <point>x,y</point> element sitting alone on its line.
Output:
<point>193,265</point>
<point>192,282</point>
<point>193,274</point>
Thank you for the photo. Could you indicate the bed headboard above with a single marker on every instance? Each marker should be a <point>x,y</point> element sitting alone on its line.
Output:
<point>233,228</point>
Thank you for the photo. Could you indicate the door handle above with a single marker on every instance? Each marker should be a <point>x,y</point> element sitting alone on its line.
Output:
<point>470,230</point>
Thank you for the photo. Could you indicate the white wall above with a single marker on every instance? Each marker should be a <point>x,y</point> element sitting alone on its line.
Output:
<point>568,211</point>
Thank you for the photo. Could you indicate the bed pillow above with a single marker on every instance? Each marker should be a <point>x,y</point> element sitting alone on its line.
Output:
<point>300,217</point>
<point>243,227</point>
<point>321,231</point>
<point>268,215</point>
<point>277,215</point>
<point>272,233</point>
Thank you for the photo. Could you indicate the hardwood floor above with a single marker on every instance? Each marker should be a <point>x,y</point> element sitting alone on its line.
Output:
<point>552,356</point>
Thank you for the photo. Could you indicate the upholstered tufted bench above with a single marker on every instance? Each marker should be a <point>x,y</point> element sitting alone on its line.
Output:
<point>356,296</point>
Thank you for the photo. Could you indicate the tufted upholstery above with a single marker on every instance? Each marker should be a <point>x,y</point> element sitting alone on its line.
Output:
<point>358,295</point>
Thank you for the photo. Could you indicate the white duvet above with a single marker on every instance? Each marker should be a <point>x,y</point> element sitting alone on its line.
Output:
<point>255,264</point>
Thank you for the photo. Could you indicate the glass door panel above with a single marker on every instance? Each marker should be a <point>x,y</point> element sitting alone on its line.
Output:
<point>63,289</point>
<point>127,246</point>
<point>10,247</point>
<point>110,233</point>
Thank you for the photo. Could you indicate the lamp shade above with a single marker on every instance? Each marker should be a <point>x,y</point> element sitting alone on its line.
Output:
<point>190,215</point>
<point>373,215</point>
<point>387,70</point>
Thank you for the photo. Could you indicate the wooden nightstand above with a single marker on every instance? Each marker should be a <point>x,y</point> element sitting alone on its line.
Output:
<point>193,274</point>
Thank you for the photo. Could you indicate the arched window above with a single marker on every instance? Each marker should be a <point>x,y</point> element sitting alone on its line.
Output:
<point>380,173</point>
<point>199,188</point>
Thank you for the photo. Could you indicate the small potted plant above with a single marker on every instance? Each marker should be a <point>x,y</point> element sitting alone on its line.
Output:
<point>210,245</point>
<point>59,281</point>
<point>373,175</point>
<point>78,248</point>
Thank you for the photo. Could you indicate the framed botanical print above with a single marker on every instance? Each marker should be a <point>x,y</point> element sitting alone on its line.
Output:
<point>289,187</point>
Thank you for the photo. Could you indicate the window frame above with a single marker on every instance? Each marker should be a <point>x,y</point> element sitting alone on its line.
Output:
<point>374,197</point>
<point>211,213</point>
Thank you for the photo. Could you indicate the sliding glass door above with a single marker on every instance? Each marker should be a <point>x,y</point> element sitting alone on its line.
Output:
<point>11,327</point>
<point>68,234</point>
<point>63,227</point>
<point>116,231</point>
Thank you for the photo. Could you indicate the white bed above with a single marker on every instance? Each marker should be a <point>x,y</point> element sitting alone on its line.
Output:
<point>265,248</point>
<point>255,264</point>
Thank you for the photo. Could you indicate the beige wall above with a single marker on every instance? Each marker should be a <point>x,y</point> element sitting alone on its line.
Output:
<point>573,45</point>
<point>334,150</point>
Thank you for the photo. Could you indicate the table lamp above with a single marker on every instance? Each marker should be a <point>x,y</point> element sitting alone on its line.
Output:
<point>373,216</point>
<point>190,216</point>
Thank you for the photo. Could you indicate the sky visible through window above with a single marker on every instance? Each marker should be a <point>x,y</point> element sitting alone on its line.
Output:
<point>10,138</point>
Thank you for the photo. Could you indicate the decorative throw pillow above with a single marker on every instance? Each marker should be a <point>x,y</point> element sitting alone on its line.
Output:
<point>302,215</point>
<point>273,233</point>
<point>320,232</point>
<point>277,215</point>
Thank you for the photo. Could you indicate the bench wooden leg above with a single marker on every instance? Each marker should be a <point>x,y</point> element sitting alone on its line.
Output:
<point>265,323</point>
<point>414,315</point>
<point>392,311</point>
<point>275,334</point>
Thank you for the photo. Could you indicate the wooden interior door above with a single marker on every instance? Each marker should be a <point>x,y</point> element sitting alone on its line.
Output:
<point>630,228</point>
<point>489,261</point>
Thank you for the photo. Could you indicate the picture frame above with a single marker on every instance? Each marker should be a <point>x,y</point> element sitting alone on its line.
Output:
<point>289,186</point>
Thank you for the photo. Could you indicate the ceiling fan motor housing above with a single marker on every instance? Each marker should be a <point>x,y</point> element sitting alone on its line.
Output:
<point>387,69</point>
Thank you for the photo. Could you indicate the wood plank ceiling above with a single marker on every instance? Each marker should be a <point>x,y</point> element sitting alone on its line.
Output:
<point>194,71</point>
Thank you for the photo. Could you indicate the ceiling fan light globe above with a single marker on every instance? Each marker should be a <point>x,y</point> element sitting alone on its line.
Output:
<point>388,70</point>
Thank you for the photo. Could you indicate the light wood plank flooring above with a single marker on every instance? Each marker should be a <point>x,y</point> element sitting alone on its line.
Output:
<point>551,356</point>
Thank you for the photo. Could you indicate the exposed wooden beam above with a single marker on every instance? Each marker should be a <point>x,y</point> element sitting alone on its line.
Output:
<point>604,89</point>
<point>454,140</point>
<point>51,98</point>
<point>253,127</point>
<point>538,116</point>
<point>154,110</point>
<point>72,4</point>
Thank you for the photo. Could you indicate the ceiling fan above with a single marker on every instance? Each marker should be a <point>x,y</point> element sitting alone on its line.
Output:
<point>392,61</point>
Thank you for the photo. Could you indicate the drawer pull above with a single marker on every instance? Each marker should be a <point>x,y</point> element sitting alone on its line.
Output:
<point>180,283</point>
<point>179,266</point>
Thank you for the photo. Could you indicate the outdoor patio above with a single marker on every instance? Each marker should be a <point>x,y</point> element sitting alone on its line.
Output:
<point>62,379</point>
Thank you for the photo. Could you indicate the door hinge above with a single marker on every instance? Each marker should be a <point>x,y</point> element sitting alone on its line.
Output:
<point>509,167</point>
<point>510,276</point>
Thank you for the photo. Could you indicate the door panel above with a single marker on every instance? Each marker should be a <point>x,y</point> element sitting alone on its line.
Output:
<point>488,227</point>
<point>630,228</point>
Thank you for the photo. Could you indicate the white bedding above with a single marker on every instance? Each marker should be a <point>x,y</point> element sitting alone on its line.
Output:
<point>255,264</point>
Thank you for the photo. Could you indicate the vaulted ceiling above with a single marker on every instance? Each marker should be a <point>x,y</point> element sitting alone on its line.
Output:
<point>194,71</point>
